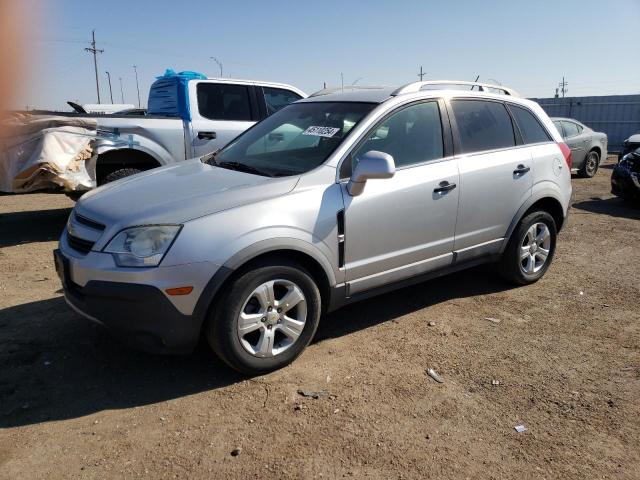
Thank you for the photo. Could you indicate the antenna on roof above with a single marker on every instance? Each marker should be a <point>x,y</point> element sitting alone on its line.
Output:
<point>475,81</point>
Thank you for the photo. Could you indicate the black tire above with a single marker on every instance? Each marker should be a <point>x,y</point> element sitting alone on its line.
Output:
<point>511,265</point>
<point>118,174</point>
<point>221,328</point>
<point>591,164</point>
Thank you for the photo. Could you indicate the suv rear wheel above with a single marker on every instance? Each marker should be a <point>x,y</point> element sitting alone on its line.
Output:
<point>530,249</point>
<point>265,318</point>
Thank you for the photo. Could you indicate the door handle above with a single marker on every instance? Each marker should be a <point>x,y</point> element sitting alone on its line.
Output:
<point>207,135</point>
<point>444,187</point>
<point>521,170</point>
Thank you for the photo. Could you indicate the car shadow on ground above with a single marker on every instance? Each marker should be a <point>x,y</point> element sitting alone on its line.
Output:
<point>614,207</point>
<point>58,366</point>
<point>32,226</point>
<point>390,306</point>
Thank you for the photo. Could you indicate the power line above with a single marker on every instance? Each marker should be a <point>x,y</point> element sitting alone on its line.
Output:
<point>95,51</point>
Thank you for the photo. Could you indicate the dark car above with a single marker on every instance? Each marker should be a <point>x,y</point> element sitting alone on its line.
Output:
<point>629,145</point>
<point>625,179</point>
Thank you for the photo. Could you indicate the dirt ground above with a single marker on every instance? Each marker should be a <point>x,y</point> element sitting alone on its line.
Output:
<point>564,361</point>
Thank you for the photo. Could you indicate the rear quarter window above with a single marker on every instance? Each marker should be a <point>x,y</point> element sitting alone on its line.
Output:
<point>530,128</point>
<point>483,125</point>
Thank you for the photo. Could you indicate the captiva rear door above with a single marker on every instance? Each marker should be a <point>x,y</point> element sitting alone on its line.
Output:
<point>495,174</point>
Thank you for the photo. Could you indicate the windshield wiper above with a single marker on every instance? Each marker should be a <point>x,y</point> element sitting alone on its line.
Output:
<point>242,167</point>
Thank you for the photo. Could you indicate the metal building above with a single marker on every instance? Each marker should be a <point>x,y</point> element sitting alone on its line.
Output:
<point>616,115</point>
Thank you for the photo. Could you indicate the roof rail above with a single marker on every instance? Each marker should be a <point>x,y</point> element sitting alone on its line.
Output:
<point>328,91</point>
<point>414,87</point>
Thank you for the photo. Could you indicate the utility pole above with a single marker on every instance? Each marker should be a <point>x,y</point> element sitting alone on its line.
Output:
<point>563,87</point>
<point>110,91</point>
<point>135,69</point>
<point>95,51</point>
<point>421,74</point>
<point>219,64</point>
<point>121,93</point>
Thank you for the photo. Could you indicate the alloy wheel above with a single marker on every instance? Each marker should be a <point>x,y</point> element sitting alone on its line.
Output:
<point>535,248</point>
<point>272,318</point>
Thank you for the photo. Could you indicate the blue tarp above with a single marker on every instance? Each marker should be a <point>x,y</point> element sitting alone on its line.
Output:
<point>169,94</point>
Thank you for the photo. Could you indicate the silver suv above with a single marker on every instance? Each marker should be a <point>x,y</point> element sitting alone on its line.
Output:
<point>332,199</point>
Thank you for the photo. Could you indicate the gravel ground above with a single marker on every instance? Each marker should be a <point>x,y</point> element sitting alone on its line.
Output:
<point>563,361</point>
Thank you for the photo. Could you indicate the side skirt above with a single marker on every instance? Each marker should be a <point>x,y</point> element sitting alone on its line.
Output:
<point>339,292</point>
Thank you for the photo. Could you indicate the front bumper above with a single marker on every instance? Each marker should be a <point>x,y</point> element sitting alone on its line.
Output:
<point>624,183</point>
<point>140,314</point>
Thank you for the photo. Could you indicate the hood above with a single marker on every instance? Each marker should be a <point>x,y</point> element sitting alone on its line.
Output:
<point>177,193</point>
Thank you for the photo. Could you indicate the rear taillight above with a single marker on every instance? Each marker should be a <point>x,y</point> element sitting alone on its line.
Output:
<point>566,151</point>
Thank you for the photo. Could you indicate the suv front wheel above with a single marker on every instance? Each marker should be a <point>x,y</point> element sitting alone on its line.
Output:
<point>265,318</point>
<point>530,249</point>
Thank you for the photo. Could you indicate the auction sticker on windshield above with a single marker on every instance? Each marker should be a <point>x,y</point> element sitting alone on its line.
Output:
<point>321,131</point>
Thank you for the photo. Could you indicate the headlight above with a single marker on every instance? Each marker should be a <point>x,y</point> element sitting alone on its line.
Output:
<point>142,246</point>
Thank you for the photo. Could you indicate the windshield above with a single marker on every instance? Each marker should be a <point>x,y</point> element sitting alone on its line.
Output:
<point>294,140</point>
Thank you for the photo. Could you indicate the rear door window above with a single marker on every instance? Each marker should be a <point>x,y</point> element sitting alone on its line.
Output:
<point>530,128</point>
<point>571,129</point>
<point>277,98</point>
<point>483,125</point>
<point>218,101</point>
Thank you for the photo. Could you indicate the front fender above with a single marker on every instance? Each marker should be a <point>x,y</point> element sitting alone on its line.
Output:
<point>281,243</point>
<point>248,253</point>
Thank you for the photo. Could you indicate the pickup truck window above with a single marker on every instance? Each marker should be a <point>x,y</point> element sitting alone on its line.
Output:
<point>218,101</point>
<point>293,140</point>
<point>277,98</point>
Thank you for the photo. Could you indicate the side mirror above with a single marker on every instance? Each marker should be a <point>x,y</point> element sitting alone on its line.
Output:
<point>372,164</point>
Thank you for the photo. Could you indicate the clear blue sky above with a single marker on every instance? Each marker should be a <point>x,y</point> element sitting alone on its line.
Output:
<point>528,45</point>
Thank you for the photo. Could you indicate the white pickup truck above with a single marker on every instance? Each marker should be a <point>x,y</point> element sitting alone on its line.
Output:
<point>188,115</point>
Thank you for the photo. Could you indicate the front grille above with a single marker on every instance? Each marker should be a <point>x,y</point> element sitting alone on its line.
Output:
<point>88,223</point>
<point>79,244</point>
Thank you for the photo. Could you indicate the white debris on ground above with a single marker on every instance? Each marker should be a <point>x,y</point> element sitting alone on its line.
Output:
<point>44,151</point>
